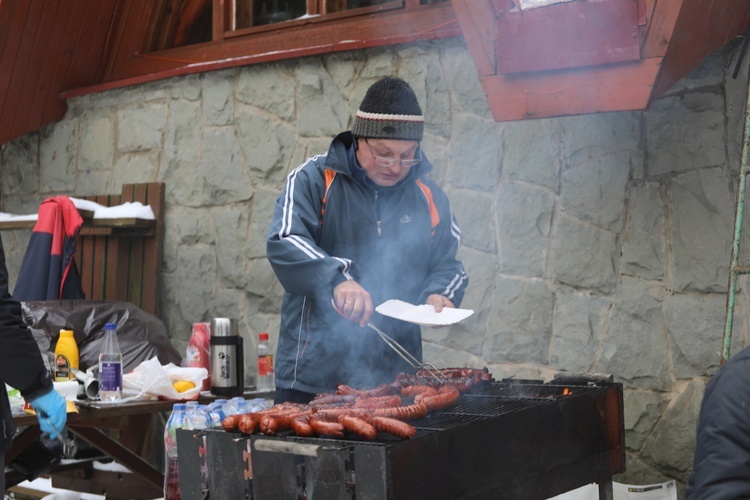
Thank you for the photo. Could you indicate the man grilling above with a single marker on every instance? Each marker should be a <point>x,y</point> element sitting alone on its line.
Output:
<point>354,227</point>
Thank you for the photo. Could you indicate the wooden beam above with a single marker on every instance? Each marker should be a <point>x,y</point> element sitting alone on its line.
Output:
<point>479,27</point>
<point>614,87</point>
<point>661,27</point>
<point>702,26</point>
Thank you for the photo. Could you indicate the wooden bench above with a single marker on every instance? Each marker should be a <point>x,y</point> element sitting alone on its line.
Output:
<point>120,259</point>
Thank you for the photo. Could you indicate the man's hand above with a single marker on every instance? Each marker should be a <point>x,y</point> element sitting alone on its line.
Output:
<point>353,301</point>
<point>439,302</point>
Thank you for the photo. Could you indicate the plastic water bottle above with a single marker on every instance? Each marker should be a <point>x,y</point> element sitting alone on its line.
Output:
<point>264,380</point>
<point>177,420</point>
<point>234,404</point>
<point>110,366</point>
<point>243,407</point>
<point>216,412</point>
<point>200,418</point>
<point>190,408</point>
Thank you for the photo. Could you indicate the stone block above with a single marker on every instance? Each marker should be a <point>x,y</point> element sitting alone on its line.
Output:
<point>585,256</point>
<point>643,243</point>
<point>702,233</point>
<point>524,217</point>
<point>476,153</point>
<point>594,190</point>
<point>532,152</point>
<point>685,132</point>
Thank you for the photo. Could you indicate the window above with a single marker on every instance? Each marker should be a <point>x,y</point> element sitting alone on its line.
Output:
<point>180,23</point>
<point>163,38</point>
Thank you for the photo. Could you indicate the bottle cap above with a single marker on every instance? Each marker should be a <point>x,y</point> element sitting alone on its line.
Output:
<point>263,336</point>
<point>66,333</point>
<point>110,326</point>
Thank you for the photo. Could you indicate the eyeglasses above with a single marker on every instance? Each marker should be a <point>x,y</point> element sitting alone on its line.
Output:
<point>384,161</point>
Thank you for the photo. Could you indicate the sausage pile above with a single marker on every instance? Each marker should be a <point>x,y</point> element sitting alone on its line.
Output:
<point>364,412</point>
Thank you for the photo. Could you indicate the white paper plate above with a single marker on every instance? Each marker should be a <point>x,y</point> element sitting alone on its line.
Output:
<point>424,314</point>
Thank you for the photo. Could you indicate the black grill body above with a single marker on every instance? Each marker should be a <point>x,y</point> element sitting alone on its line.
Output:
<point>511,439</point>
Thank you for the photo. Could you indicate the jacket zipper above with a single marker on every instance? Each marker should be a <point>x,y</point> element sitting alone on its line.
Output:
<point>377,216</point>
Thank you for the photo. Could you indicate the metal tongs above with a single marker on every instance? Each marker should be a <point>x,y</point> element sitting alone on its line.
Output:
<point>421,369</point>
<point>69,446</point>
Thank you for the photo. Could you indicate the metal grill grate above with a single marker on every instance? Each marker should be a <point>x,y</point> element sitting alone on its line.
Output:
<point>532,391</point>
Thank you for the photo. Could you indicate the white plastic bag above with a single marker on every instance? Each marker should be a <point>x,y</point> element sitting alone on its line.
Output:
<point>151,380</point>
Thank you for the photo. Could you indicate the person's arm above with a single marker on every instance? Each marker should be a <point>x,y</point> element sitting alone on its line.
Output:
<point>301,266</point>
<point>447,281</point>
<point>21,364</point>
<point>722,453</point>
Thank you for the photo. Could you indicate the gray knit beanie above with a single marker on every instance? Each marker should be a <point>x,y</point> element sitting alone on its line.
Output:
<point>390,110</point>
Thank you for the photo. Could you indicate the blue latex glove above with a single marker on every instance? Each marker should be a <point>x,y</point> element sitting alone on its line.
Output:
<point>51,411</point>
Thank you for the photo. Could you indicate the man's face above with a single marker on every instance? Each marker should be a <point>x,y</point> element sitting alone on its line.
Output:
<point>387,161</point>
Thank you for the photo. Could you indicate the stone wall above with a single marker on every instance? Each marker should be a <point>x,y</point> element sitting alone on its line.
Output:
<point>594,243</point>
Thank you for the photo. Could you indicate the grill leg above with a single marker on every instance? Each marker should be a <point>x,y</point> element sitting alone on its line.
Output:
<point>605,490</point>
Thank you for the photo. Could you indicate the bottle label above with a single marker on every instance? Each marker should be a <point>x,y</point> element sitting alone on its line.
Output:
<point>111,376</point>
<point>265,365</point>
<point>62,368</point>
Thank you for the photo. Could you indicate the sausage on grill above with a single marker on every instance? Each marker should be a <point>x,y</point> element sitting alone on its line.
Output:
<point>358,427</point>
<point>448,396</point>
<point>408,412</point>
<point>393,426</point>
<point>326,428</point>
<point>301,426</point>
<point>378,402</point>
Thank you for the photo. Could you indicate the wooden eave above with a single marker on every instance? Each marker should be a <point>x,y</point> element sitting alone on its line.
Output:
<point>548,61</point>
<point>669,39</point>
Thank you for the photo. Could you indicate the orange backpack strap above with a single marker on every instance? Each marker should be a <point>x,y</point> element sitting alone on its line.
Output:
<point>434,215</point>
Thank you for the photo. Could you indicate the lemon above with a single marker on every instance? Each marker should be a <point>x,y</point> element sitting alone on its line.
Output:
<point>183,385</point>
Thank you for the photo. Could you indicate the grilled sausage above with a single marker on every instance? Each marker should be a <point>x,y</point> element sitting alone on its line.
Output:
<point>358,426</point>
<point>326,428</point>
<point>328,399</point>
<point>378,402</point>
<point>274,423</point>
<point>416,390</point>
<point>408,412</point>
<point>301,426</point>
<point>393,426</point>
<point>231,423</point>
<point>248,422</point>
<point>335,413</point>
<point>447,396</point>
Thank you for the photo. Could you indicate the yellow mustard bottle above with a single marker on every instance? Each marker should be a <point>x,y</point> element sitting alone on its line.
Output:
<point>66,356</point>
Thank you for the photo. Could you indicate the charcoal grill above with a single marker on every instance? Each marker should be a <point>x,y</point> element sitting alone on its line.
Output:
<point>512,439</point>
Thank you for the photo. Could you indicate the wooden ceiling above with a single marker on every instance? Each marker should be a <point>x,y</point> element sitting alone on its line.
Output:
<point>541,62</point>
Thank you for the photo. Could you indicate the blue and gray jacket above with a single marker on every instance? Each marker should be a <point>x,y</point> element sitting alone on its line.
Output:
<point>332,224</point>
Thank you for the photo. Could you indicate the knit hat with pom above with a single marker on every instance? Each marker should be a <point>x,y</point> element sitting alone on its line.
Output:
<point>390,110</point>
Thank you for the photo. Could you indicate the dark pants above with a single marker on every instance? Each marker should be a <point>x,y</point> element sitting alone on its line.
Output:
<point>2,476</point>
<point>292,396</point>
